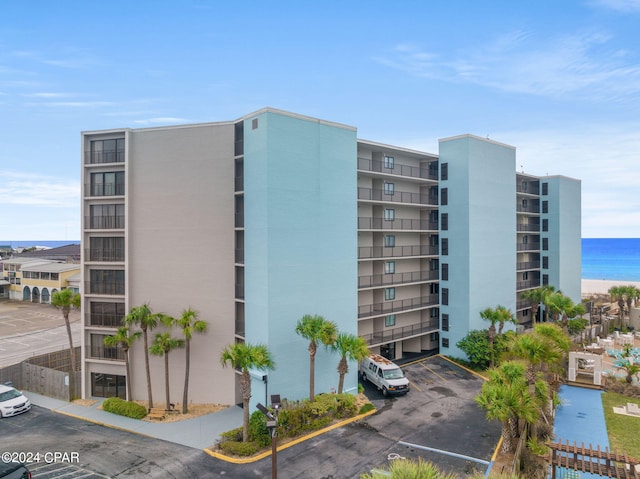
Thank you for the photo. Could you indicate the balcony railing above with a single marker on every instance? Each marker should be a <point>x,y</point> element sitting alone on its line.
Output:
<point>528,246</point>
<point>239,331</point>
<point>239,183</point>
<point>115,287</point>
<point>102,254</point>
<point>105,189</point>
<point>396,224</point>
<point>524,304</point>
<point>529,227</point>
<point>239,255</point>
<point>105,222</point>
<point>239,220</point>
<point>103,352</point>
<point>532,283</point>
<point>398,169</point>
<point>396,196</point>
<point>106,320</point>
<point>389,307</point>
<point>396,278</point>
<point>528,209</point>
<point>399,333</point>
<point>365,252</point>
<point>107,156</point>
<point>529,265</point>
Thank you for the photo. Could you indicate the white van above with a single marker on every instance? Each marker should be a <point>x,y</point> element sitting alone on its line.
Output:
<point>385,374</point>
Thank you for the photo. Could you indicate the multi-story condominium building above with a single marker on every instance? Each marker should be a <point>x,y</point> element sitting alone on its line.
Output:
<point>258,221</point>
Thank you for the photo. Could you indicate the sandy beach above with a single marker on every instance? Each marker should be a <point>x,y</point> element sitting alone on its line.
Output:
<point>601,286</point>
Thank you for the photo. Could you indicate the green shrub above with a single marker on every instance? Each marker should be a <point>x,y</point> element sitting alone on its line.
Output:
<point>577,325</point>
<point>366,408</point>
<point>233,435</point>
<point>239,448</point>
<point>124,408</point>
<point>258,431</point>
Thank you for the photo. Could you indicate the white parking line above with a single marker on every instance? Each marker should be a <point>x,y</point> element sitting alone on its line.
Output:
<point>446,453</point>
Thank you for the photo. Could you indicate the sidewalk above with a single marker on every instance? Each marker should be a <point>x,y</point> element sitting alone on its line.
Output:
<point>200,432</point>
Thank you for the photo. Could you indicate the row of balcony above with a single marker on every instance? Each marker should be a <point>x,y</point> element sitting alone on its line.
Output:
<point>389,307</point>
<point>389,196</point>
<point>528,246</point>
<point>376,280</point>
<point>366,252</point>
<point>367,223</point>
<point>104,320</point>
<point>104,254</point>
<point>529,227</point>
<point>105,287</point>
<point>396,334</point>
<point>397,169</point>
<point>528,265</point>
<point>528,209</point>
<point>115,222</point>
<point>105,353</point>
<point>105,189</point>
<point>532,283</point>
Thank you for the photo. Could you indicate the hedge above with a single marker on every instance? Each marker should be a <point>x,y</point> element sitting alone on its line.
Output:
<point>124,408</point>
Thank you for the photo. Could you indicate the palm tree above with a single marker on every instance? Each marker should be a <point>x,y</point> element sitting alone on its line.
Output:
<point>537,296</point>
<point>497,315</point>
<point>124,338</point>
<point>560,307</point>
<point>505,397</point>
<point>245,356</point>
<point>351,348</point>
<point>316,329</point>
<point>504,315</point>
<point>162,345</point>
<point>142,317</point>
<point>64,300</point>
<point>619,294</point>
<point>189,323</point>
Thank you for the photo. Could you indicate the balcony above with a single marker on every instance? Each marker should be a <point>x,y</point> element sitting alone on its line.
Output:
<point>239,220</point>
<point>105,320</point>
<point>366,252</point>
<point>407,197</point>
<point>528,209</point>
<point>115,288</point>
<point>399,333</point>
<point>104,222</point>
<point>397,169</point>
<point>239,255</point>
<point>532,283</point>
<point>239,183</point>
<point>388,307</point>
<point>528,247</point>
<point>396,278</point>
<point>529,227</point>
<point>100,157</point>
<point>523,304</point>
<point>103,352</point>
<point>396,224</point>
<point>528,265</point>
<point>105,189</point>
<point>104,254</point>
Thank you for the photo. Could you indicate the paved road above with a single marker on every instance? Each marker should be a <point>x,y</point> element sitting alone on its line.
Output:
<point>30,329</point>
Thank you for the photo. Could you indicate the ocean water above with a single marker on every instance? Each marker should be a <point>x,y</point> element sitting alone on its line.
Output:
<point>611,258</point>
<point>29,244</point>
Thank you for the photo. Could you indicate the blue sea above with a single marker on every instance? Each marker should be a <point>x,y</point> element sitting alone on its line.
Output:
<point>29,244</point>
<point>611,258</point>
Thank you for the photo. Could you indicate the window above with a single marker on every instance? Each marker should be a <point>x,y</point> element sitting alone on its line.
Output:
<point>444,196</point>
<point>107,281</point>
<point>444,221</point>
<point>389,267</point>
<point>445,296</point>
<point>389,188</point>
<point>445,272</point>
<point>545,224</point>
<point>106,216</point>
<point>107,151</point>
<point>545,262</point>
<point>108,385</point>
<point>254,124</point>
<point>525,276</point>
<point>545,189</point>
<point>389,241</point>
<point>390,320</point>
<point>444,246</point>
<point>107,184</point>
<point>524,205</point>
<point>434,336</point>
<point>444,171</point>
<point>389,214</point>
<point>389,294</point>
<point>107,314</point>
<point>445,342</point>
<point>545,279</point>
<point>445,322</point>
<point>545,206</point>
<point>106,249</point>
<point>389,162</point>
<point>434,313</point>
<point>545,244</point>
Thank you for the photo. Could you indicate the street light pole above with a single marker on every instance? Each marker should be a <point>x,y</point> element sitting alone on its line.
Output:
<point>272,424</point>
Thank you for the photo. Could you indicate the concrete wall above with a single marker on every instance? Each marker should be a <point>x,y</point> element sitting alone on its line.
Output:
<point>300,244</point>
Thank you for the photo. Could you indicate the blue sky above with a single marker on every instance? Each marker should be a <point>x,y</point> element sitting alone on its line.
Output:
<point>558,80</point>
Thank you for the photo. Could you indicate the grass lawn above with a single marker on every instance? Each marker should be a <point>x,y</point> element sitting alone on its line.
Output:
<point>624,431</point>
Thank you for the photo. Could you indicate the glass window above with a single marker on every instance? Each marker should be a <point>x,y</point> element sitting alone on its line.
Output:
<point>445,342</point>
<point>545,279</point>
<point>445,296</point>
<point>545,188</point>
<point>389,294</point>
<point>545,224</point>
<point>445,272</point>
<point>445,322</point>
<point>545,244</point>
<point>390,320</point>
<point>444,221</point>
<point>444,196</point>
<point>389,267</point>
<point>389,241</point>
<point>545,262</point>
<point>389,162</point>
<point>389,188</point>
<point>545,206</point>
<point>389,214</point>
<point>107,184</point>
<point>444,171</point>
<point>444,246</point>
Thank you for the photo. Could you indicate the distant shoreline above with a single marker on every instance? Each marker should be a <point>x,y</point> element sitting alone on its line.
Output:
<point>601,286</point>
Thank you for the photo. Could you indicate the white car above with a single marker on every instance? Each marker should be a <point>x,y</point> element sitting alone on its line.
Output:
<point>12,401</point>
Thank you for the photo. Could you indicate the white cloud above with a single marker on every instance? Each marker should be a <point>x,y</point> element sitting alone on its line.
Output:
<point>38,190</point>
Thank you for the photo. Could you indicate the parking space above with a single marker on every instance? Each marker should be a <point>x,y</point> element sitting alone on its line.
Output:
<point>61,470</point>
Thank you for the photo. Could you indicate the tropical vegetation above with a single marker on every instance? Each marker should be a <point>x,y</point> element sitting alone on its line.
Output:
<point>188,323</point>
<point>123,338</point>
<point>351,348</point>
<point>316,329</point>
<point>142,317</point>
<point>163,344</point>
<point>64,300</point>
